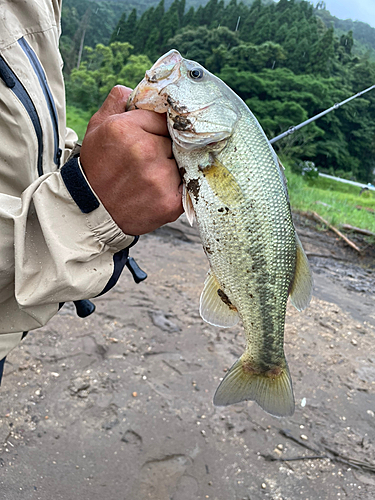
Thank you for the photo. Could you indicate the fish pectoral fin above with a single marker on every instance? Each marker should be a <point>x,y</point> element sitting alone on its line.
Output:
<point>215,307</point>
<point>272,391</point>
<point>187,205</point>
<point>223,183</point>
<point>301,289</point>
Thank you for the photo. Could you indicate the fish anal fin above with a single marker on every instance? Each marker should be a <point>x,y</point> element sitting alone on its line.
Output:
<point>187,205</point>
<point>272,390</point>
<point>223,183</point>
<point>301,289</point>
<point>215,306</point>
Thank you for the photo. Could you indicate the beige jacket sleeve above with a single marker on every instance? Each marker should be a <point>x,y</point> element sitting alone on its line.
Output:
<point>51,252</point>
<point>53,247</point>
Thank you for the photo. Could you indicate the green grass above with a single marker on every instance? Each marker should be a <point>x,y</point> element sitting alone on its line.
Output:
<point>342,199</point>
<point>77,119</point>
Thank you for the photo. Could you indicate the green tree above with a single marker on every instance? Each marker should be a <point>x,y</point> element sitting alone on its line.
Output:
<point>205,46</point>
<point>284,59</point>
<point>85,22</point>
<point>101,69</point>
<point>134,70</point>
<point>248,56</point>
<point>125,29</point>
<point>322,53</point>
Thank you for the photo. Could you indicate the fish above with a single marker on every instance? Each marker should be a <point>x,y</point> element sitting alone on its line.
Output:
<point>234,187</point>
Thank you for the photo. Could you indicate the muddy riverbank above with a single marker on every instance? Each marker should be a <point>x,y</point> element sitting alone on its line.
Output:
<point>119,405</point>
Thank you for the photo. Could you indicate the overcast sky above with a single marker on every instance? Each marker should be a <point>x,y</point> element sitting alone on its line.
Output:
<point>358,10</point>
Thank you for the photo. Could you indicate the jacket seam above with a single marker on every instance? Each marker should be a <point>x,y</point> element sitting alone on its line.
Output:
<point>27,33</point>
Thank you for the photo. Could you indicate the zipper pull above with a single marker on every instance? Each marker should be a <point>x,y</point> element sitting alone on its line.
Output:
<point>84,308</point>
<point>137,273</point>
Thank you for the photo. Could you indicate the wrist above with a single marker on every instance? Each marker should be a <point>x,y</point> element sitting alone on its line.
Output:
<point>98,219</point>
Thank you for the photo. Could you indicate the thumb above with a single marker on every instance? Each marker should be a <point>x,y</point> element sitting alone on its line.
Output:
<point>115,102</point>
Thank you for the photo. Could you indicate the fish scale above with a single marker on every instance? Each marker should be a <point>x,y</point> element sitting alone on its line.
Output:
<point>235,188</point>
<point>258,233</point>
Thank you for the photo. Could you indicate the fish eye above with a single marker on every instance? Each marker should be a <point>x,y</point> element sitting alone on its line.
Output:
<point>196,73</point>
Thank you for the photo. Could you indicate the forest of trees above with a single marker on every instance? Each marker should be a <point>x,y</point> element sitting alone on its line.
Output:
<point>282,59</point>
<point>363,33</point>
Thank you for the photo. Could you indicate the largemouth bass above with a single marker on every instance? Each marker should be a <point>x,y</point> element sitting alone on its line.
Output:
<point>235,188</point>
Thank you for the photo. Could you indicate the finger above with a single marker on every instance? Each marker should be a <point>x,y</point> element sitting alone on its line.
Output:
<point>115,102</point>
<point>149,121</point>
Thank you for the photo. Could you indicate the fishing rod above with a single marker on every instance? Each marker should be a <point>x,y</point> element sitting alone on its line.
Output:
<point>291,130</point>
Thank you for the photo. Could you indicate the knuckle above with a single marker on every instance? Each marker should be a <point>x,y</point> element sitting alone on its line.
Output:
<point>110,128</point>
<point>117,95</point>
<point>143,151</point>
<point>115,92</point>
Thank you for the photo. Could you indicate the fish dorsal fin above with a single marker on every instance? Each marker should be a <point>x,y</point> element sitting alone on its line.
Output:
<point>187,205</point>
<point>215,307</point>
<point>223,183</point>
<point>272,390</point>
<point>301,289</point>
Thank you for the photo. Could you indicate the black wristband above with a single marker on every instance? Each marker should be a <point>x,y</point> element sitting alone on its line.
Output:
<point>78,187</point>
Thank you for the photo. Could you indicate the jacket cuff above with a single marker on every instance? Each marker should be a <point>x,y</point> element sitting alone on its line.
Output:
<point>98,219</point>
<point>78,186</point>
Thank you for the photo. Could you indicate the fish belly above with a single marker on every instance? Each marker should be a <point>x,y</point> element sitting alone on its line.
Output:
<point>248,236</point>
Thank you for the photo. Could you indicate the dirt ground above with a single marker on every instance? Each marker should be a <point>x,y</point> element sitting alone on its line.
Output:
<point>119,406</point>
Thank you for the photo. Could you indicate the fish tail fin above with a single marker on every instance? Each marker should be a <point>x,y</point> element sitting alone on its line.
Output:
<point>272,390</point>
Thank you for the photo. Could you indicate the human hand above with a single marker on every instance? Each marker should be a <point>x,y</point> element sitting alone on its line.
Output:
<point>128,161</point>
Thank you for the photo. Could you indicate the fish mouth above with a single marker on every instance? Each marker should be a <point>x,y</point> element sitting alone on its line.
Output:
<point>148,94</point>
<point>151,92</point>
<point>155,93</point>
<point>164,66</point>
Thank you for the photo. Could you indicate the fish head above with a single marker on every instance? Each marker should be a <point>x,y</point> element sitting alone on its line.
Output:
<point>201,109</point>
